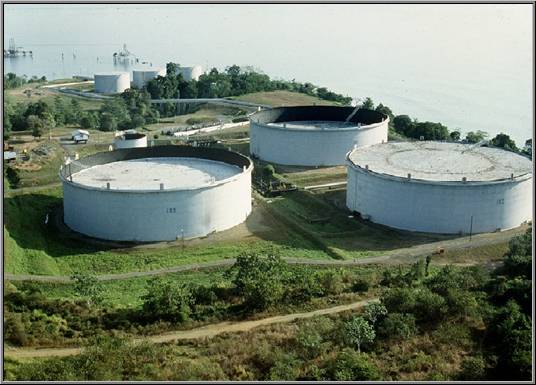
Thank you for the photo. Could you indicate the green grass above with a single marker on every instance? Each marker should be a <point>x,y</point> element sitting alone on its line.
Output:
<point>283,98</point>
<point>33,248</point>
<point>314,176</point>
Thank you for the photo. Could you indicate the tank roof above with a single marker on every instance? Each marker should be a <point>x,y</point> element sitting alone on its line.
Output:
<point>313,117</point>
<point>441,161</point>
<point>148,173</point>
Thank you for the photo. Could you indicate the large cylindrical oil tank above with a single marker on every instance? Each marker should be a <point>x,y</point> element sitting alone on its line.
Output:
<point>440,187</point>
<point>314,135</point>
<point>142,76</point>
<point>161,193</point>
<point>111,82</point>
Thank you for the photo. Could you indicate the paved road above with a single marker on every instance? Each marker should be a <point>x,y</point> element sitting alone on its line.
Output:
<point>207,331</point>
<point>405,255</point>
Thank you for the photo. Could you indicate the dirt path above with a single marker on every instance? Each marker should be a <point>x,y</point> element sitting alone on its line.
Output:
<point>399,256</point>
<point>207,331</point>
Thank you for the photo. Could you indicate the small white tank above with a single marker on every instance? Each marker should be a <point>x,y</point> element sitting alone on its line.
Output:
<point>111,82</point>
<point>191,73</point>
<point>141,77</point>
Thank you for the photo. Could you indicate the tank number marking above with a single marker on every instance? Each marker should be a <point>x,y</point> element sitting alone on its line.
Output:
<point>500,201</point>
<point>171,210</point>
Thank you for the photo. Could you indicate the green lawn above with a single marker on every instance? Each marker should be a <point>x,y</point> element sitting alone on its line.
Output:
<point>33,248</point>
<point>283,98</point>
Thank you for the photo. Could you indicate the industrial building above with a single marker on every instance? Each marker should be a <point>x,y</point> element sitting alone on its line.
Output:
<point>440,187</point>
<point>111,82</point>
<point>161,193</point>
<point>141,77</point>
<point>314,135</point>
<point>191,73</point>
<point>129,139</point>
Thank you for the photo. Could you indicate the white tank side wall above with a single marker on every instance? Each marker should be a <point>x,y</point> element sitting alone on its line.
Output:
<point>128,216</point>
<point>140,78</point>
<point>130,143</point>
<point>439,208</point>
<point>112,84</point>
<point>310,148</point>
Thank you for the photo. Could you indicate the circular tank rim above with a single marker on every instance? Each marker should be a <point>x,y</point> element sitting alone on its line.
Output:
<point>125,137</point>
<point>158,152</point>
<point>305,113</point>
<point>460,183</point>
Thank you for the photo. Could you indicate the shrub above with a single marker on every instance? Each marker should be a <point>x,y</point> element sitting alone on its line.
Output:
<point>167,300</point>
<point>360,285</point>
<point>473,369</point>
<point>350,365</point>
<point>397,326</point>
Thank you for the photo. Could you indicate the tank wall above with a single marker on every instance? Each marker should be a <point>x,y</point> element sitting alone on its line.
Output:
<point>310,148</point>
<point>111,84</point>
<point>439,208</point>
<point>191,73</point>
<point>130,143</point>
<point>157,216</point>
<point>140,78</point>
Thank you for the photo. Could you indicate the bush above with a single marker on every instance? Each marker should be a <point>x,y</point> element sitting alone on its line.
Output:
<point>397,326</point>
<point>167,300</point>
<point>352,366</point>
<point>360,285</point>
<point>473,369</point>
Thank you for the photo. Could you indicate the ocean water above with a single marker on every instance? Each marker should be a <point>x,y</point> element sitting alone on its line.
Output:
<point>467,66</point>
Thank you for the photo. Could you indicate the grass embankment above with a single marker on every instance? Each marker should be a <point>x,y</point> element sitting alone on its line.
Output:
<point>35,248</point>
<point>31,93</point>
<point>283,98</point>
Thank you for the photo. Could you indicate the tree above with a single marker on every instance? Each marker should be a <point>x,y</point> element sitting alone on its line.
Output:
<point>137,121</point>
<point>455,136</point>
<point>168,300</point>
<point>385,110</point>
<point>504,141</point>
<point>87,286</point>
<point>475,137</point>
<point>375,312</point>
<point>35,124</point>
<point>368,104</point>
<point>172,69</point>
<point>397,326</point>
<point>88,121</point>
<point>12,176</point>
<point>259,280</point>
<point>403,124</point>
<point>358,332</point>
<point>108,122</point>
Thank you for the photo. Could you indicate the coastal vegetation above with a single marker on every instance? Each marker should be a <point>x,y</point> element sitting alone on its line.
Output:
<point>431,323</point>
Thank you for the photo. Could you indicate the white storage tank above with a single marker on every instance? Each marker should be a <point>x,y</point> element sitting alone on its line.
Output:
<point>440,187</point>
<point>314,135</point>
<point>191,73</point>
<point>111,82</point>
<point>129,139</point>
<point>142,76</point>
<point>161,193</point>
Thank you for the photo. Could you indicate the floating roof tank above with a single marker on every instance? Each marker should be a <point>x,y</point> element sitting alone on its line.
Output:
<point>161,193</point>
<point>314,135</point>
<point>440,187</point>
